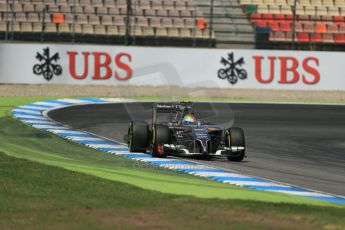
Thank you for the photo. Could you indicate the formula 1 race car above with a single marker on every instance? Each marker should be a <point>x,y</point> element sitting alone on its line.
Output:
<point>183,135</point>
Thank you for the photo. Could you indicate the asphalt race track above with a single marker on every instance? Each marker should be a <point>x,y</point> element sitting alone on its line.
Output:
<point>303,145</point>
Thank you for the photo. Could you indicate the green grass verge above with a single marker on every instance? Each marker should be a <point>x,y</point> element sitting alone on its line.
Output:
<point>37,196</point>
<point>30,189</point>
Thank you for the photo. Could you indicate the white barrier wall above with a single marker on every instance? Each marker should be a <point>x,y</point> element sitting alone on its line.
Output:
<point>121,65</point>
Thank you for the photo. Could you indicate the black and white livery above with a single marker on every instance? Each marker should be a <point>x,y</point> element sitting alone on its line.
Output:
<point>175,131</point>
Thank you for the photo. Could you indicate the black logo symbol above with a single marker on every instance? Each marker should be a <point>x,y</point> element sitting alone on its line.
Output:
<point>46,67</point>
<point>232,71</point>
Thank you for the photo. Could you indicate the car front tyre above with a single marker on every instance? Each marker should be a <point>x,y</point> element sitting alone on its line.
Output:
<point>235,137</point>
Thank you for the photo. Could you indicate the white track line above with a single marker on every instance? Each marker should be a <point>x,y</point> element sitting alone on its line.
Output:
<point>255,183</point>
<point>298,193</point>
<point>65,131</point>
<point>30,107</point>
<point>218,174</point>
<point>30,117</point>
<point>105,145</point>
<point>45,122</point>
<point>27,111</point>
<point>43,126</point>
<point>85,138</point>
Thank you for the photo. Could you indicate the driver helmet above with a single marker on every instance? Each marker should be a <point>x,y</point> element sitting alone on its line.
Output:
<point>189,119</point>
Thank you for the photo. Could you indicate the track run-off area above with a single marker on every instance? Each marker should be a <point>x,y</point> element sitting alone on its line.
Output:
<point>301,145</point>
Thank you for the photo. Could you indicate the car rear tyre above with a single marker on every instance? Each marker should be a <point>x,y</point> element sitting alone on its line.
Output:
<point>138,136</point>
<point>160,136</point>
<point>235,137</point>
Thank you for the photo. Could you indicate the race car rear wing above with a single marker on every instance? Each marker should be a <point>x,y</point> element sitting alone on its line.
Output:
<point>170,107</point>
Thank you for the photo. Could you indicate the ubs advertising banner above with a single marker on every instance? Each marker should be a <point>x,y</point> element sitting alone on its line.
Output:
<point>185,67</point>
